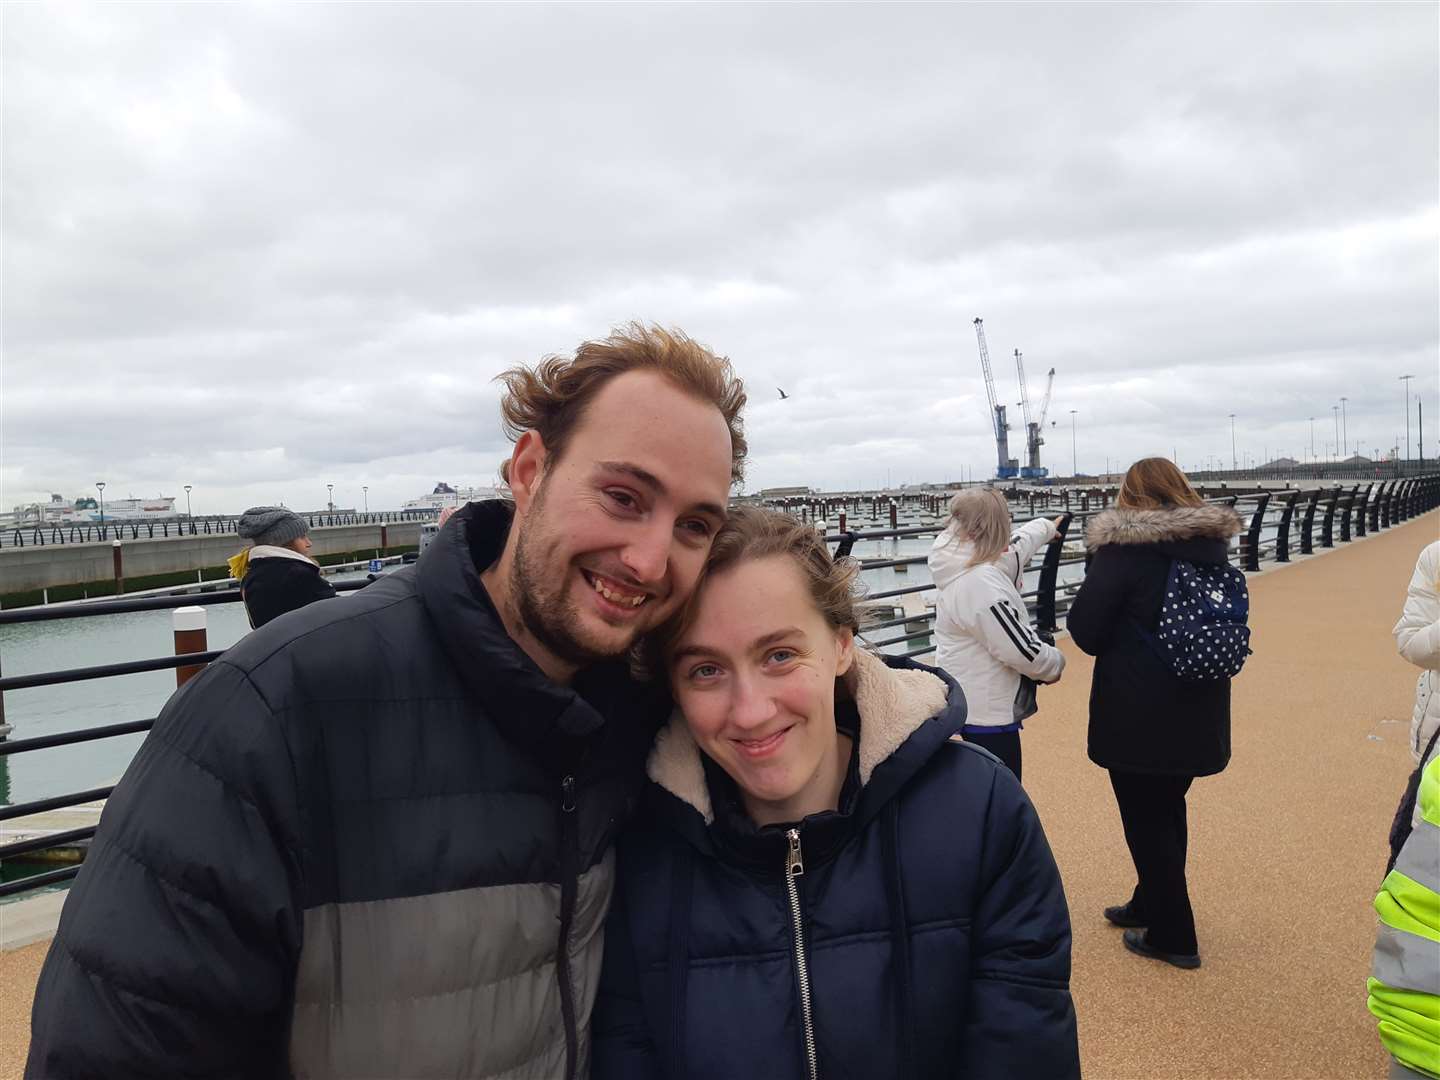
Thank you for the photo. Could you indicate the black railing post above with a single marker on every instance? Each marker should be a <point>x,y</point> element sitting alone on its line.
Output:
<point>1307,524</point>
<point>1346,504</point>
<point>1282,531</point>
<point>1327,529</point>
<point>1387,506</point>
<point>1362,506</point>
<point>1046,618</point>
<point>1250,542</point>
<point>1375,507</point>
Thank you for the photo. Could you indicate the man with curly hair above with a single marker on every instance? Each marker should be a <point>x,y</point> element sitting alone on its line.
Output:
<point>374,838</point>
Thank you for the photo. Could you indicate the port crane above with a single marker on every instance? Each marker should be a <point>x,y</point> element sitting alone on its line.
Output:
<point>1034,429</point>
<point>1006,467</point>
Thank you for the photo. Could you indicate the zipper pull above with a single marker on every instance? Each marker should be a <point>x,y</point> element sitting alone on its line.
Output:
<point>794,864</point>
<point>567,795</point>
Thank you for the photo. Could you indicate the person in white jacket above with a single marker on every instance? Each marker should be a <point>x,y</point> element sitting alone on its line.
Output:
<point>1418,636</point>
<point>982,629</point>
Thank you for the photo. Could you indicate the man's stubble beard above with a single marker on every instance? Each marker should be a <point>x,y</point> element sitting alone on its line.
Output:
<point>545,608</point>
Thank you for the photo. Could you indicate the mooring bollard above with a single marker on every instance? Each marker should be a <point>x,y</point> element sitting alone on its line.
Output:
<point>119,564</point>
<point>842,520</point>
<point>190,637</point>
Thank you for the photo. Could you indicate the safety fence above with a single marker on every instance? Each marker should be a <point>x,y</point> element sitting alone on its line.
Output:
<point>1279,526</point>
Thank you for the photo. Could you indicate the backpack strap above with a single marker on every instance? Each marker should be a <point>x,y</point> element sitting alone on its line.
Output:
<point>1400,826</point>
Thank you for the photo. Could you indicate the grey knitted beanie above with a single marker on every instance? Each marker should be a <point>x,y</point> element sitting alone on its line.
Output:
<point>271,525</point>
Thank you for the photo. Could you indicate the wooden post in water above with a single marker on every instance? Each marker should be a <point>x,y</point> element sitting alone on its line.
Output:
<point>190,637</point>
<point>843,517</point>
<point>119,563</point>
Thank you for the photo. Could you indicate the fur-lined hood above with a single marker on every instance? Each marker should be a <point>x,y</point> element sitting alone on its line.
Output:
<point>1208,522</point>
<point>893,704</point>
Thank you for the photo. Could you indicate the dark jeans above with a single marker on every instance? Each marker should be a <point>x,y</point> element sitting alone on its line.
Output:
<point>1152,809</point>
<point>1003,744</point>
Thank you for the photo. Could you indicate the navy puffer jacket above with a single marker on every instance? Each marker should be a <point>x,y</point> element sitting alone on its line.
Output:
<point>929,914</point>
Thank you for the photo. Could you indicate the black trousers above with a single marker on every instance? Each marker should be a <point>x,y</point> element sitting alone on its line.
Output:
<point>1152,809</point>
<point>1003,744</point>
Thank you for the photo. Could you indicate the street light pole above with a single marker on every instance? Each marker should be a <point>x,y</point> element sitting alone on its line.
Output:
<point>1232,442</point>
<point>1344,427</point>
<point>1335,411</point>
<point>1074,459</point>
<point>1406,380</point>
<point>330,497</point>
<point>366,490</point>
<point>100,485</point>
<point>1312,440</point>
<point>188,512</point>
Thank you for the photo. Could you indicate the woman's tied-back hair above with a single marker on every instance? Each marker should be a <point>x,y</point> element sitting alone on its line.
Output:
<point>1156,483</point>
<point>981,516</point>
<point>754,533</point>
<point>551,397</point>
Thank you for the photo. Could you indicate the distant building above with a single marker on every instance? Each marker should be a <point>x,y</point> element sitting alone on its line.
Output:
<point>786,493</point>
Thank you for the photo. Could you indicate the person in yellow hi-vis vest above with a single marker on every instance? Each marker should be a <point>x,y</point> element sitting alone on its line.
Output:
<point>1405,979</point>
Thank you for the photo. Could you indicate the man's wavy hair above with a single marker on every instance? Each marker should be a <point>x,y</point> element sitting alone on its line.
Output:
<point>551,397</point>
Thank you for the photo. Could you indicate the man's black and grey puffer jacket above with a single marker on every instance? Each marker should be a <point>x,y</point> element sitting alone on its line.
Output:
<point>372,840</point>
<point>929,915</point>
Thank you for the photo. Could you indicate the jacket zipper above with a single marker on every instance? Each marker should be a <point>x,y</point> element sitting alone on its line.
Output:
<point>794,867</point>
<point>569,842</point>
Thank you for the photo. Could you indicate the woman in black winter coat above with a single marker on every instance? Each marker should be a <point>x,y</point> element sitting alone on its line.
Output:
<point>823,884</point>
<point>1153,732</point>
<point>276,572</point>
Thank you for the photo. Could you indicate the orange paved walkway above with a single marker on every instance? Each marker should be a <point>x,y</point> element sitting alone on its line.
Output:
<point>1287,846</point>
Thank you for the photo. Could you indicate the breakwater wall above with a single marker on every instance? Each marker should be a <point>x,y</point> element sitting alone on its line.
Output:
<point>51,566</point>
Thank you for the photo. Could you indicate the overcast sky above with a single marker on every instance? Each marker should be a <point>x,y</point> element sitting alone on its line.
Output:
<point>262,248</point>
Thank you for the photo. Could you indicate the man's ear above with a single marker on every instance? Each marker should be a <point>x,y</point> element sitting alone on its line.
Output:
<point>527,469</point>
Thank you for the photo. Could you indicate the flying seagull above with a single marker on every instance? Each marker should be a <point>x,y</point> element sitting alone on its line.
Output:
<point>783,396</point>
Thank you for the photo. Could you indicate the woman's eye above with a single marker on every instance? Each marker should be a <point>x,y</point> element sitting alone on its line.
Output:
<point>781,656</point>
<point>704,671</point>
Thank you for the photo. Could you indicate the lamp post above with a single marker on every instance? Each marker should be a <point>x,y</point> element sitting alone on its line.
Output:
<point>1335,411</point>
<point>1074,466</point>
<point>1406,380</point>
<point>188,512</point>
<point>1232,442</point>
<point>330,497</point>
<point>100,486</point>
<point>1312,440</point>
<point>1345,427</point>
<point>365,490</point>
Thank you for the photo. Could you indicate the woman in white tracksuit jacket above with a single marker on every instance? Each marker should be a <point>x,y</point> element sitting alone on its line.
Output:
<point>1418,636</point>
<point>982,628</point>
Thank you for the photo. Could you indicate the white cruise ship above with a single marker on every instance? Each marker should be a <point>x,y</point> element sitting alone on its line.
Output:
<point>445,496</point>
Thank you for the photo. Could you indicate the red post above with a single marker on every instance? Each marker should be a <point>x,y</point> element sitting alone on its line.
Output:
<point>893,515</point>
<point>190,637</point>
<point>384,538</point>
<point>119,564</point>
<point>842,520</point>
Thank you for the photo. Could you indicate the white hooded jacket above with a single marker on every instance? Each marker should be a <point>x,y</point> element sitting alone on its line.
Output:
<point>1418,636</point>
<point>983,630</point>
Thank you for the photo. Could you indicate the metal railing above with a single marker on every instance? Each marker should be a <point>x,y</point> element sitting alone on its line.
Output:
<point>38,534</point>
<point>1276,521</point>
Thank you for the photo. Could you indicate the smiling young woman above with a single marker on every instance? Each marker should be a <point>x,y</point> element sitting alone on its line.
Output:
<point>820,870</point>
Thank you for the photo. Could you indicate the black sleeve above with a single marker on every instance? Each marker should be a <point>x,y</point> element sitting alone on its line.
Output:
<point>177,948</point>
<point>1021,1019</point>
<point>621,1047</point>
<point>1099,606</point>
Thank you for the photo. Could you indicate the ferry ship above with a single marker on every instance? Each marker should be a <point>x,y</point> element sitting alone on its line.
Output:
<point>446,496</point>
<point>61,511</point>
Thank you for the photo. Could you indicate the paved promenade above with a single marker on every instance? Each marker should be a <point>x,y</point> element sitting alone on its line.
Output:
<point>1287,847</point>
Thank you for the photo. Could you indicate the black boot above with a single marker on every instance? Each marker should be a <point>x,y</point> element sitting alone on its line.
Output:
<point>1125,915</point>
<point>1136,943</point>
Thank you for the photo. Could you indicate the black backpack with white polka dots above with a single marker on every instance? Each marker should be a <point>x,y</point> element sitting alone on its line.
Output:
<point>1201,634</point>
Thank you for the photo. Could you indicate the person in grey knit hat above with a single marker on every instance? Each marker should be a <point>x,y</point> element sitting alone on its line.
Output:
<point>276,573</point>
